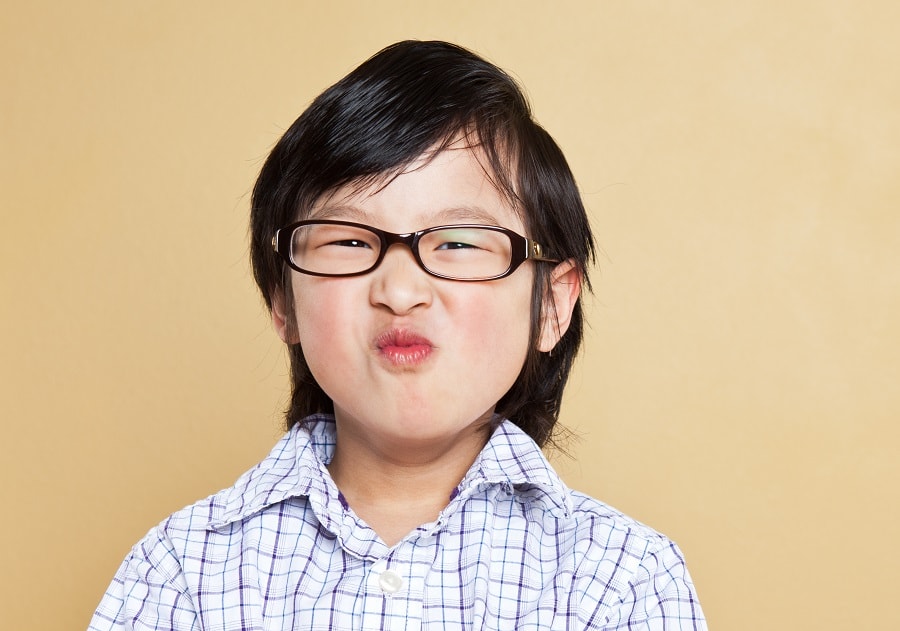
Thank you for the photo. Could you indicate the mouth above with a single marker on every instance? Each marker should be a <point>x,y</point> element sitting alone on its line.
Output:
<point>403,348</point>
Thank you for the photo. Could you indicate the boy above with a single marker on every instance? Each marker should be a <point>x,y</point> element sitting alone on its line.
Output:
<point>421,245</point>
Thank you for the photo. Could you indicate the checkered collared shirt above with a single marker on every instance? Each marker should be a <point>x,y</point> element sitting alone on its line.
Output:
<point>513,549</point>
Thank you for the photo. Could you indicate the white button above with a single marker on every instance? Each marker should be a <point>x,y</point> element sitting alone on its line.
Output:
<point>390,582</point>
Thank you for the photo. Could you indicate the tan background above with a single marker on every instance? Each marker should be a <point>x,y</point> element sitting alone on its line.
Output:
<point>739,389</point>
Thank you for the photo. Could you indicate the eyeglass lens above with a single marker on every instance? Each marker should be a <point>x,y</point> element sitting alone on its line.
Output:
<point>461,252</point>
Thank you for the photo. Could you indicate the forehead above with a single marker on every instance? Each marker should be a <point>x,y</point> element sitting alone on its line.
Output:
<point>450,185</point>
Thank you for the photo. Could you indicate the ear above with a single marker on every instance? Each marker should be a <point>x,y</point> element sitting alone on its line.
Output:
<point>280,315</point>
<point>559,302</point>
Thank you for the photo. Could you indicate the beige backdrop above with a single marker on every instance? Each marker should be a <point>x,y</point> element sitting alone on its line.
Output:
<point>739,389</point>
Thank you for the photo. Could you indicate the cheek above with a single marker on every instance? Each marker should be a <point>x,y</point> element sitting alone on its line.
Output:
<point>323,313</point>
<point>501,327</point>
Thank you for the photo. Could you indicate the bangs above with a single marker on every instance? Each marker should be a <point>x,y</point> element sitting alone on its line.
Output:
<point>493,155</point>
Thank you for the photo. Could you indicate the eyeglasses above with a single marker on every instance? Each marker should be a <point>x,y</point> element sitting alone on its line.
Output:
<point>460,252</point>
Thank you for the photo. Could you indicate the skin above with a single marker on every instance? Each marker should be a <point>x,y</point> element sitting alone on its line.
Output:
<point>415,364</point>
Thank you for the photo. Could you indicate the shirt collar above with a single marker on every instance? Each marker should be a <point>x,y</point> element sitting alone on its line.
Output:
<point>512,460</point>
<point>296,467</point>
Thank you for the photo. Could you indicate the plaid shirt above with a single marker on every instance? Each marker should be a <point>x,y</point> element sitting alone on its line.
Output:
<point>513,549</point>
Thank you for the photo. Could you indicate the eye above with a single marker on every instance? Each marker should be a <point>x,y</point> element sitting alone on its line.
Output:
<point>339,236</point>
<point>350,243</point>
<point>455,245</point>
<point>455,239</point>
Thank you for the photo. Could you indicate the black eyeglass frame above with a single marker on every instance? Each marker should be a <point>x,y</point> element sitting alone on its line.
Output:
<point>523,248</point>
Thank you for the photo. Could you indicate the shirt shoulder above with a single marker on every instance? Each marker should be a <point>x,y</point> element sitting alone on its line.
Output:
<point>625,574</point>
<point>630,575</point>
<point>159,577</point>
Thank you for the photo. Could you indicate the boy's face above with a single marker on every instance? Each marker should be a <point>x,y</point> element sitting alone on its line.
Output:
<point>407,358</point>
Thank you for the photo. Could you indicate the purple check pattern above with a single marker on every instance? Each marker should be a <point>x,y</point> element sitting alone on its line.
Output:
<point>513,549</point>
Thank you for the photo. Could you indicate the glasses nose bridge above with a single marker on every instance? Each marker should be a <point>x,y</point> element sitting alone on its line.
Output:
<point>409,239</point>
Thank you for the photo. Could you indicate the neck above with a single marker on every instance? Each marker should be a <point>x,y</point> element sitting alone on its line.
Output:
<point>395,488</point>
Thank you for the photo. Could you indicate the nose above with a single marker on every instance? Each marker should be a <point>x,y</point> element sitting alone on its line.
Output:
<point>399,284</point>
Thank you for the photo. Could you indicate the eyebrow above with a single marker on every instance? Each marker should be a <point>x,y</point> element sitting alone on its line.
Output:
<point>340,212</point>
<point>456,214</point>
<point>470,214</point>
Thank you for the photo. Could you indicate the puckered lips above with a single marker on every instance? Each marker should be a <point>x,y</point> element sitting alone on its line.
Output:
<point>403,348</point>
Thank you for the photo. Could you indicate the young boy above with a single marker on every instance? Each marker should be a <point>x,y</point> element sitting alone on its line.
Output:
<point>422,245</point>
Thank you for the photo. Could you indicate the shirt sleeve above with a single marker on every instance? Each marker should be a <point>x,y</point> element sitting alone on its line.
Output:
<point>661,596</point>
<point>148,592</point>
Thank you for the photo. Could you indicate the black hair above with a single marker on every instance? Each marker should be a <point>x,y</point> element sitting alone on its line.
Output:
<point>404,101</point>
